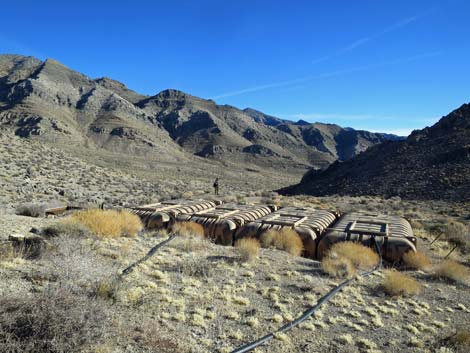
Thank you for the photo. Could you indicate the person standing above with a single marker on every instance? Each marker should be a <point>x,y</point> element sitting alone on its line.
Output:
<point>216,186</point>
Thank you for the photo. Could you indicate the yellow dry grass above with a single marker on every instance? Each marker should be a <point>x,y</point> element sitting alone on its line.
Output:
<point>338,267</point>
<point>108,223</point>
<point>398,284</point>
<point>285,239</point>
<point>248,249</point>
<point>454,271</point>
<point>188,229</point>
<point>360,256</point>
<point>344,258</point>
<point>417,260</point>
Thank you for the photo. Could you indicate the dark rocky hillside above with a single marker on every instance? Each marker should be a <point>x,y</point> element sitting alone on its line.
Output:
<point>433,163</point>
<point>48,101</point>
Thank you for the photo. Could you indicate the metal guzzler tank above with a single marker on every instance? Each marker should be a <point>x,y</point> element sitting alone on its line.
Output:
<point>161,215</point>
<point>221,223</point>
<point>393,234</point>
<point>309,223</point>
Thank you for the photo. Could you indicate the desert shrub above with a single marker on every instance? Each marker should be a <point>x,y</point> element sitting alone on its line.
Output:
<point>345,258</point>
<point>31,210</point>
<point>196,266</point>
<point>7,251</point>
<point>106,289</point>
<point>267,238</point>
<point>362,257</point>
<point>417,260</point>
<point>65,228</point>
<point>456,233</point>
<point>188,229</point>
<point>190,236</point>
<point>461,338</point>
<point>109,223</point>
<point>130,224</point>
<point>55,321</point>
<point>75,266</point>
<point>285,239</point>
<point>248,249</point>
<point>454,271</point>
<point>148,337</point>
<point>338,267</point>
<point>398,284</point>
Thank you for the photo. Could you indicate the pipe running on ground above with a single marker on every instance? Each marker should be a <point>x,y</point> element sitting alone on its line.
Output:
<point>252,345</point>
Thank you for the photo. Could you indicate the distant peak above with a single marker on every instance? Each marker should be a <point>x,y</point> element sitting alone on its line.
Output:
<point>302,122</point>
<point>170,92</point>
<point>53,62</point>
<point>109,81</point>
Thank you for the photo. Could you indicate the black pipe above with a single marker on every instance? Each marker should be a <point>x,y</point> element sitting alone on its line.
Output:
<point>252,345</point>
<point>151,252</point>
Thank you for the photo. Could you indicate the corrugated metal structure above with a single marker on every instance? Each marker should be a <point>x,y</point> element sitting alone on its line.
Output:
<point>161,215</point>
<point>393,234</point>
<point>221,223</point>
<point>319,229</point>
<point>307,222</point>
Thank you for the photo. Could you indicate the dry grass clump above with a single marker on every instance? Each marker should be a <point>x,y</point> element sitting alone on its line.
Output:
<point>399,284</point>
<point>54,321</point>
<point>108,223</point>
<point>417,260</point>
<point>188,229</point>
<point>454,271</point>
<point>462,337</point>
<point>248,249</point>
<point>65,228</point>
<point>338,267</point>
<point>285,239</point>
<point>344,258</point>
<point>360,256</point>
<point>31,210</point>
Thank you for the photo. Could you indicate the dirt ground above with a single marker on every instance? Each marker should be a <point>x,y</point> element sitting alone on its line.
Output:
<point>196,296</point>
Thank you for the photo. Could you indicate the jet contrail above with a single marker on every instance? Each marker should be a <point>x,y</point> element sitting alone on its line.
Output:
<point>326,75</point>
<point>397,25</point>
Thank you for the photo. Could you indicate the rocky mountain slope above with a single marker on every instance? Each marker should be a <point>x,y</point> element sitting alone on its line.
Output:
<point>49,101</point>
<point>433,163</point>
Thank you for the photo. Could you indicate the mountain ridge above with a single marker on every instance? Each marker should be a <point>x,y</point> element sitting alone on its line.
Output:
<point>47,100</point>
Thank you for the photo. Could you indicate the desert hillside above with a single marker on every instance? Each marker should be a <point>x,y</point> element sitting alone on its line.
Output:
<point>433,164</point>
<point>48,101</point>
<point>67,291</point>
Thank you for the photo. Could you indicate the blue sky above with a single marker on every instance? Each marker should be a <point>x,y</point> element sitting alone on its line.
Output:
<point>379,65</point>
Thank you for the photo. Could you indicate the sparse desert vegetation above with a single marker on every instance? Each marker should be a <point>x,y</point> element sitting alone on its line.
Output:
<point>164,222</point>
<point>417,260</point>
<point>284,239</point>
<point>345,258</point>
<point>202,291</point>
<point>248,249</point>
<point>108,223</point>
<point>188,229</point>
<point>454,271</point>
<point>399,284</point>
